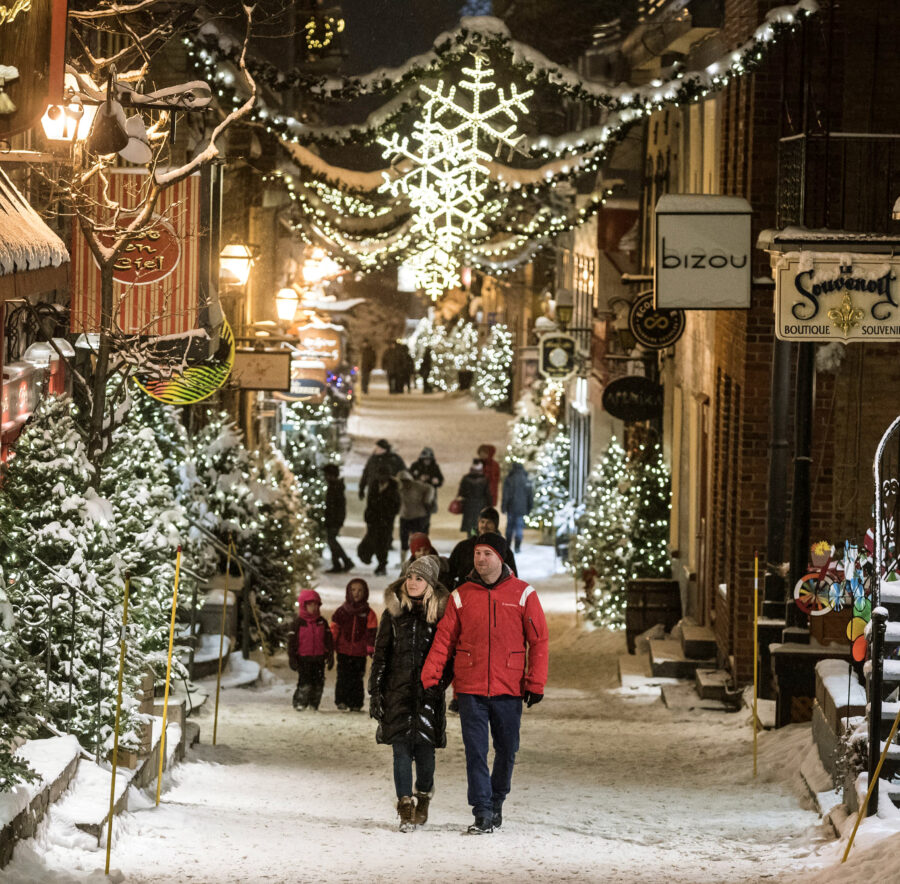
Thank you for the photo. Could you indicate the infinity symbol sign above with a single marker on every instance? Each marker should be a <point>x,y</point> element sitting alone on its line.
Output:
<point>657,321</point>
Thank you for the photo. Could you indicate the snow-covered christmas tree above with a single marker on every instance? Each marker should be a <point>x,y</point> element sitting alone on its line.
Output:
<point>551,481</point>
<point>309,444</point>
<point>282,545</point>
<point>57,545</point>
<point>650,525</point>
<point>493,377</point>
<point>21,697</point>
<point>530,430</point>
<point>221,464</point>
<point>601,548</point>
<point>149,525</point>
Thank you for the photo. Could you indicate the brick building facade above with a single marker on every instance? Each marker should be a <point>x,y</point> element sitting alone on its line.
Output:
<point>832,76</point>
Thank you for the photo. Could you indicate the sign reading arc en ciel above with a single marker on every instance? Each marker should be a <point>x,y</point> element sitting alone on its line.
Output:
<point>830,296</point>
<point>703,252</point>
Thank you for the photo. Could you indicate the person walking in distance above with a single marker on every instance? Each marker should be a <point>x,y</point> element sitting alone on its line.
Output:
<point>491,470</point>
<point>382,461</point>
<point>382,505</point>
<point>366,364</point>
<point>415,504</point>
<point>518,499</point>
<point>412,720</point>
<point>353,627</point>
<point>474,495</point>
<point>495,632</point>
<point>425,468</point>
<point>462,557</point>
<point>335,513</point>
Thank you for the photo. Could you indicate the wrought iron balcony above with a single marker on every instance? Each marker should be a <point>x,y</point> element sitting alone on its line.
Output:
<point>840,181</point>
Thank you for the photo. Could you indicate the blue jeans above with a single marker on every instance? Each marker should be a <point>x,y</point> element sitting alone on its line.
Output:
<point>515,529</point>
<point>404,755</point>
<point>501,716</point>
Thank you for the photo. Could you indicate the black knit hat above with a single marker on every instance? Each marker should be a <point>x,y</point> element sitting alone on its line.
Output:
<point>490,513</point>
<point>494,541</point>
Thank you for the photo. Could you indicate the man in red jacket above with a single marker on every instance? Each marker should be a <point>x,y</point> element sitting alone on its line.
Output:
<point>495,625</point>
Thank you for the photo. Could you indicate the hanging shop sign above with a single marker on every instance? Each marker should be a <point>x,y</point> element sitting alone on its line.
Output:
<point>150,258</point>
<point>702,252</point>
<point>321,341</point>
<point>826,296</point>
<point>157,277</point>
<point>633,399</point>
<point>32,61</point>
<point>262,370</point>
<point>654,328</point>
<point>308,382</point>
<point>557,356</point>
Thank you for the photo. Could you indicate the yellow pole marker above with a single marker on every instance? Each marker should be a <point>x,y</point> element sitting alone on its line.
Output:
<point>115,757</point>
<point>162,739</point>
<point>755,653</point>
<point>222,640</point>
<point>865,804</point>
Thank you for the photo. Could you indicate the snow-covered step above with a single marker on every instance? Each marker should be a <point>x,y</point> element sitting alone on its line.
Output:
<point>667,659</point>
<point>684,697</point>
<point>635,675</point>
<point>698,642</point>
<point>86,804</point>
<point>239,673</point>
<point>21,809</point>
<point>889,592</point>
<point>206,655</point>
<point>711,684</point>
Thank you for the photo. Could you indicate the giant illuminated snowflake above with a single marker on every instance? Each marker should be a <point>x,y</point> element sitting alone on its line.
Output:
<point>443,173</point>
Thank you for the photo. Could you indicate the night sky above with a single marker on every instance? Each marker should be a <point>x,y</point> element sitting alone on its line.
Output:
<point>388,32</point>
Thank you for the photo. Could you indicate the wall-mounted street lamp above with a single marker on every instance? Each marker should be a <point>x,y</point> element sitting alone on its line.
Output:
<point>286,302</point>
<point>68,122</point>
<point>235,261</point>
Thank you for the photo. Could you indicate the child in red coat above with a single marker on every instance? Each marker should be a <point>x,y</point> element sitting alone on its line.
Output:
<point>353,626</point>
<point>310,650</point>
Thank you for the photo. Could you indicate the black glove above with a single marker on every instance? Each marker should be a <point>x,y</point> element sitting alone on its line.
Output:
<point>532,698</point>
<point>362,493</point>
<point>375,710</point>
<point>433,696</point>
<point>329,662</point>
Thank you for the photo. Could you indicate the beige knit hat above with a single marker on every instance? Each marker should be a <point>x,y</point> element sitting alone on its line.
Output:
<point>428,568</point>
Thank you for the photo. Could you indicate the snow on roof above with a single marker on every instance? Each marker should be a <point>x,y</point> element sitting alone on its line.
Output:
<point>26,242</point>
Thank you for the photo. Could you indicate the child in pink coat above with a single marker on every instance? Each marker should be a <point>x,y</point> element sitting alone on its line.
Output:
<point>310,650</point>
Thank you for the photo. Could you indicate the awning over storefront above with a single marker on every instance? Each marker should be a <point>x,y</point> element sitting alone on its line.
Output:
<point>32,257</point>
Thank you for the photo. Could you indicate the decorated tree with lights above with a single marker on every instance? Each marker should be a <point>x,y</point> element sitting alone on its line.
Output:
<point>309,444</point>
<point>58,549</point>
<point>282,545</point>
<point>601,547</point>
<point>168,430</point>
<point>223,471</point>
<point>150,524</point>
<point>536,417</point>
<point>551,481</point>
<point>651,490</point>
<point>21,697</point>
<point>493,371</point>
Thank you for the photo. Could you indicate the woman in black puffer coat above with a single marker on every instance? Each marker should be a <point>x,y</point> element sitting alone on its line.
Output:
<point>411,719</point>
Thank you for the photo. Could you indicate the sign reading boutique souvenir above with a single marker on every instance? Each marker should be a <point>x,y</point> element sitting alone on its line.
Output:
<point>557,356</point>
<point>702,252</point>
<point>32,60</point>
<point>652,327</point>
<point>826,296</point>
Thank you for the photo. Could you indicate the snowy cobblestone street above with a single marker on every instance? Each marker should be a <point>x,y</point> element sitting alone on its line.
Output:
<point>610,785</point>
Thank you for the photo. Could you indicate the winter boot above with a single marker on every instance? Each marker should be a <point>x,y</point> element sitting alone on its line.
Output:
<point>301,697</point>
<point>483,825</point>
<point>423,799</point>
<point>406,808</point>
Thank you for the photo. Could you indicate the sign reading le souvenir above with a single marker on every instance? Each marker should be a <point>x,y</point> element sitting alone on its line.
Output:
<point>633,399</point>
<point>557,356</point>
<point>654,328</point>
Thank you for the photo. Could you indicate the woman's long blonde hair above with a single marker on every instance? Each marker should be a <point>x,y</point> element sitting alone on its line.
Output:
<point>429,601</point>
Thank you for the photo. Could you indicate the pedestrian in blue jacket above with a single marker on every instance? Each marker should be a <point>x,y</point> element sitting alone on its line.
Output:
<point>518,498</point>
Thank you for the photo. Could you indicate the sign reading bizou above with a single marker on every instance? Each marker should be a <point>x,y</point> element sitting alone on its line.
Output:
<point>826,296</point>
<point>702,252</point>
